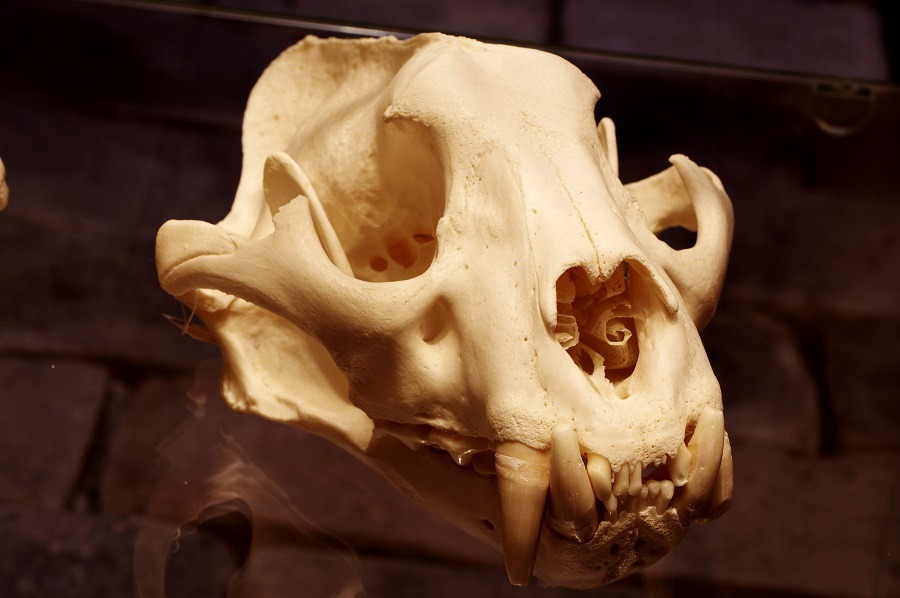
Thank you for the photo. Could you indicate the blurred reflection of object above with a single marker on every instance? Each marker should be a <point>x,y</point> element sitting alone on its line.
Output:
<point>213,488</point>
<point>842,109</point>
<point>4,190</point>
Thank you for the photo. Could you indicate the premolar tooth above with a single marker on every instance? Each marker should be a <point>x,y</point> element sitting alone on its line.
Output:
<point>461,449</point>
<point>599,471</point>
<point>573,513</point>
<point>666,492</point>
<point>622,481</point>
<point>634,484</point>
<point>707,447</point>
<point>680,466</point>
<point>523,475</point>
<point>720,496</point>
<point>483,463</point>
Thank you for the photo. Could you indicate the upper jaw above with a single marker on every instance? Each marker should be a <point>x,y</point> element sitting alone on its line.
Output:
<point>561,513</point>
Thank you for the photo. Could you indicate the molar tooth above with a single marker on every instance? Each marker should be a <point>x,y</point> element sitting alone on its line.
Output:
<point>622,480</point>
<point>707,447</point>
<point>599,471</point>
<point>634,484</point>
<point>573,511</point>
<point>523,475</point>
<point>666,492</point>
<point>680,466</point>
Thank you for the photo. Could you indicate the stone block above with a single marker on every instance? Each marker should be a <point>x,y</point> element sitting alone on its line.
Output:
<point>86,290</point>
<point>798,525</point>
<point>50,414</point>
<point>69,555</point>
<point>862,366</point>
<point>770,396</point>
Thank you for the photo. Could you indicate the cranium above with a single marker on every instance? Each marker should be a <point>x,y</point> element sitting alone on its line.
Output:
<point>457,288</point>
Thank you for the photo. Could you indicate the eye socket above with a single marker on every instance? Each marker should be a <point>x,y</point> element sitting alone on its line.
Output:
<point>596,324</point>
<point>392,216</point>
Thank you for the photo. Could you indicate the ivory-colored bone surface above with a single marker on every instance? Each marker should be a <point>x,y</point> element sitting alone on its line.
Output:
<point>431,261</point>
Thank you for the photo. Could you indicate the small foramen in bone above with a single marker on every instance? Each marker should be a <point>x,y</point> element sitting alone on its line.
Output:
<point>431,261</point>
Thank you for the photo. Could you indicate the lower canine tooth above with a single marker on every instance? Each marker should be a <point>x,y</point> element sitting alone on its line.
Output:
<point>707,447</point>
<point>720,496</point>
<point>599,471</point>
<point>680,466</point>
<point>523,475</point>
<point>573,512</point>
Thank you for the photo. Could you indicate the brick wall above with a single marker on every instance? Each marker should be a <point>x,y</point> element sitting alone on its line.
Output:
<point>113,120</point>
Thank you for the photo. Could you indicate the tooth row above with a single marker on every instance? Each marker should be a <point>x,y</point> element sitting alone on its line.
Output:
<point>702,470</point>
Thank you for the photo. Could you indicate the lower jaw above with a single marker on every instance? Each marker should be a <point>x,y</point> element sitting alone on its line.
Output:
<point>622,545</point>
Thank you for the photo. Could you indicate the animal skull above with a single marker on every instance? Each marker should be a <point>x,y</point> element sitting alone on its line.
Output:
<point>458,289</point>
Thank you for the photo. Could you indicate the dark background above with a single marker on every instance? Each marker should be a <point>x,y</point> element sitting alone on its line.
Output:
<point>115,118</point>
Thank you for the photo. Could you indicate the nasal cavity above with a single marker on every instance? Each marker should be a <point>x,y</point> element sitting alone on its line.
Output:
<point>596,323</point>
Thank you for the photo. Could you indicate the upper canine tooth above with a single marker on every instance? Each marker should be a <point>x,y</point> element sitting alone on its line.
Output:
<point>573,511</point>
<point>599,471</point>
<point>707,447</point>
<point>622,481</point>
<point>680,466</point>
<point>523,475</point>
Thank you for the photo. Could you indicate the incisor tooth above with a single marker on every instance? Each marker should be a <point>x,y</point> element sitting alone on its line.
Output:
<point>666,492</point>
<point>639,501</point>
<point>622,481</point>
<point>612,506</point>
<point>573,511</point>
<point>634,484</point>
<point>523,475</point>
<point>599,471</point>
<point>680,466</point>
<point>706,446</point>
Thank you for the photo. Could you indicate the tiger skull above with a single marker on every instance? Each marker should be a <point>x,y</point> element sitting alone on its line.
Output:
<point>456,288</point>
